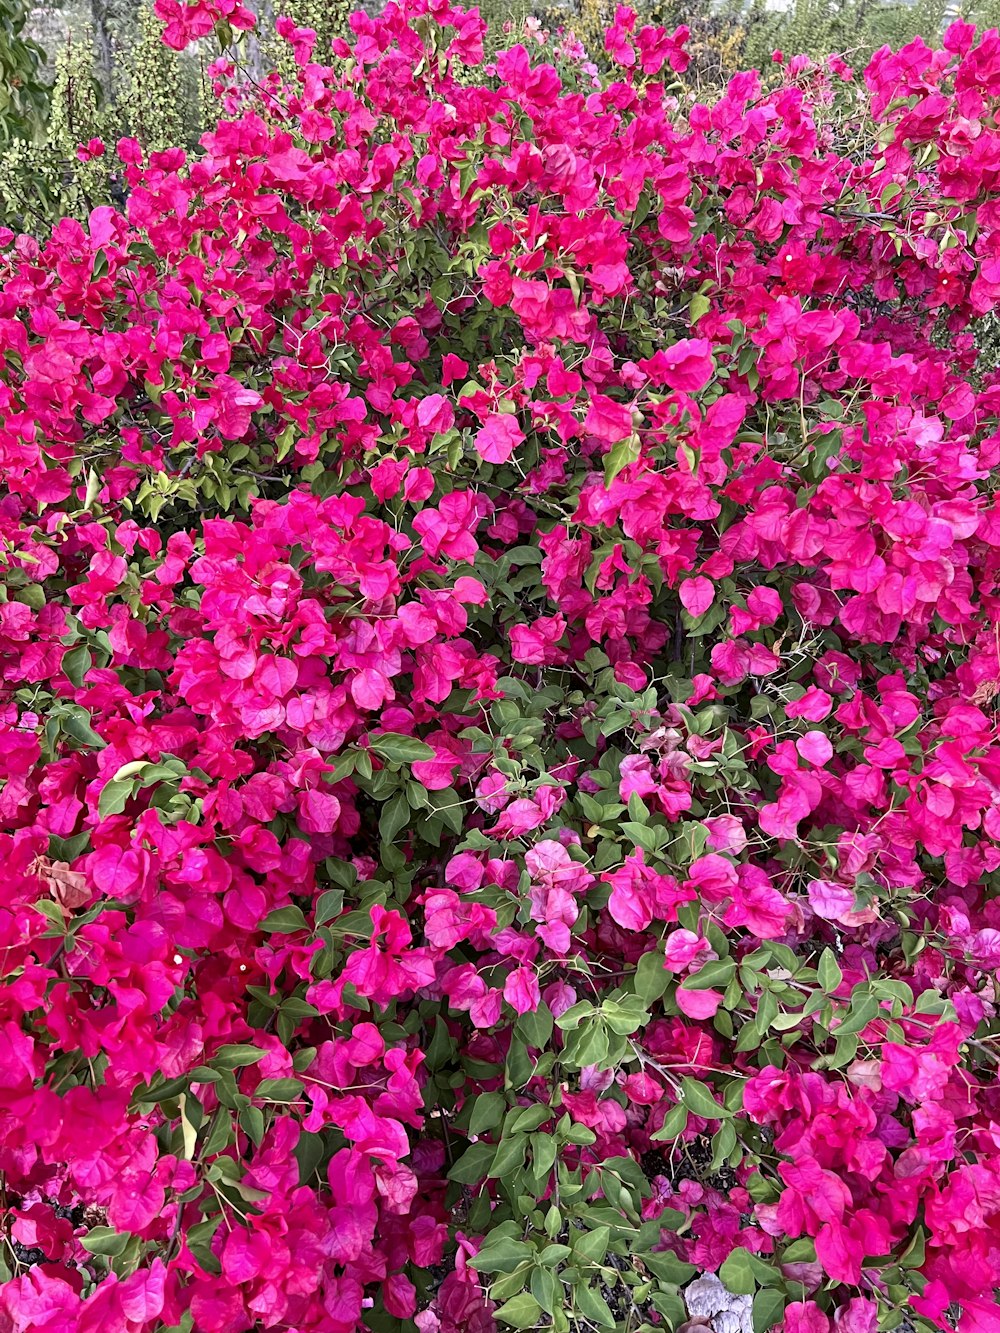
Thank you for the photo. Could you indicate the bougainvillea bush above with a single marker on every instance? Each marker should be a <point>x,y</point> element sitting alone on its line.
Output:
<point>500,772</point>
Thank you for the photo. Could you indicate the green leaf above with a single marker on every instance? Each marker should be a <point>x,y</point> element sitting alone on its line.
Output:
<point>285,921</point>
<point>488,1110</point>
<point>667,1267</point>
<point>624,1018</point>
<point>768,1310</point>
<point>165,1091</point>
<point>543,1155</point>
<point>114,797</point>
<point>509,1157</point>
<point>252,1123</point>
<point>535,1027</point>
<point>400,749</point>
<point>236,1057</point>
<point>891,192</point>
<point>472,1166</point>
<point>697,1098</point>
<point>105,1240</point>
<point>737,1275</point>
<point>571,1019</point>
<point>309,1153</point>
<point>828,972</point>
<point>502,1255</point>
<point>593,1306</point>
<point>674,1125</point>
<point>862,1011</point>
<point>220,1136</point>
<point>77,725</point>
<point>279,1089</point>
<point>547,1290</point>
<point>592,1245</point>
<point>394,818</point>
<point>76,663</point>
<point>54,914</point>
<point>698,305</point>
<point>620,456</point>
<point>524,1119</point>
<point>651,977</point>
<point>329,905</point>
<point>913,1256</point>
<point>520,1311</point>
<point>719,972</point>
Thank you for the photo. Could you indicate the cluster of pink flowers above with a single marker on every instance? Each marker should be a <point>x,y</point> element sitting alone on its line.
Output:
<point>501,581</point>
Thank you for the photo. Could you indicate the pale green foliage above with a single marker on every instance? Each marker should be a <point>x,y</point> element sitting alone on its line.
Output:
<point>152,96</point>
<point>731,35</point>
<point>501,13</point>
<point>327,18</point>
<point>23,100</point>
<point>42,178</point>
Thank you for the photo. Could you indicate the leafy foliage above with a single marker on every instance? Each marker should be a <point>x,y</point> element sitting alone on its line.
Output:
<point>22,92</point>
<point>498,646</point>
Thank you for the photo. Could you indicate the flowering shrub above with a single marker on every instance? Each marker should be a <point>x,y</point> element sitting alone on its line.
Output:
<point>501,781</point>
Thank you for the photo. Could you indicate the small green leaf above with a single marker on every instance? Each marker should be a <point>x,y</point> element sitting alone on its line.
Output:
<point>520,1311</point>
<point>828,972</point>
<point>651,977</point>
<point>53,913</point>
<point>114,797</point>
<point>329,905</point>
<point>220,1136</point>
<point>279,1089</point>
<point>236,1057</point>
<point>592,1245</point>
<point>593,1306</point>
<point>77,725</point>
<point>502,1255</point>
<point>252,1123</point>
<point>509,1157</point>
<point>76,663</point>
<point>488,1110</point>
<point>737,1275</point>
<point>394,818</point>
<point>668,1267</point>
<point>285,921</point>
<point>698,305</point>
<point>472,1166</point>
<point>105,1240</point>
<point>674,1125</point>
<point>620,456</point>
<point>400,749</point>
<point>309,1153</point>
<point>547,1290</point>
<point>913,1256</point>
<point>719,972</point>
<point>768,1310</point>
<point>697,1098</point>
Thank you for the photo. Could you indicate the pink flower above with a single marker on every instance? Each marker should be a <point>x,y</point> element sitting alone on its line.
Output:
<point>521,990</point>
<point>697,595</point>
<point>683,949</point>
<point>699,1004</point>
<point>815,748</point>
<point>687,365</point>
<point>499,436</point>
